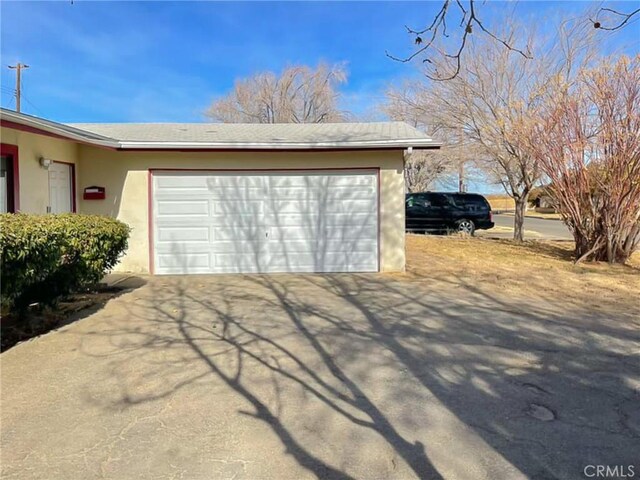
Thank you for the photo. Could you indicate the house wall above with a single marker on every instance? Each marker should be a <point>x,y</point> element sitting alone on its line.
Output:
<point>125,177</point>
<point>34,180</point>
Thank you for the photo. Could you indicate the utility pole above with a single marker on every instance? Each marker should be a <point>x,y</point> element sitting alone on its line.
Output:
<point>461,186</point>
<point>18,68</point>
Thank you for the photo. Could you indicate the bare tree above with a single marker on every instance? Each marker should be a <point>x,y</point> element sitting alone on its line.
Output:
<point>588,144</point>
<point>300,94</point>
<point>422,168</point>
<point>497,90</point>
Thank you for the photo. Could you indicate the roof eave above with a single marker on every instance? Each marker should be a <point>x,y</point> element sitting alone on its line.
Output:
<point>366,145</point>
<point>57,129</point>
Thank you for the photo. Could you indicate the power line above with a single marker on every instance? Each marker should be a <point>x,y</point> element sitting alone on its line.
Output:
<point>12,97</point>
<point>31,103</point>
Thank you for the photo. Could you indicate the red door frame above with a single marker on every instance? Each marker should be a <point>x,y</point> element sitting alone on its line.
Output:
<point>150,194</point>
<point>73,184</point>
<point>9,150</point>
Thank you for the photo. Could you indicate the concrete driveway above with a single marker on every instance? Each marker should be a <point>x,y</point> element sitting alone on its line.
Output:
<point>345,376</point>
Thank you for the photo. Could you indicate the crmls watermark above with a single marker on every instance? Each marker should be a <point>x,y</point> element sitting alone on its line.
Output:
<point>609,471</point>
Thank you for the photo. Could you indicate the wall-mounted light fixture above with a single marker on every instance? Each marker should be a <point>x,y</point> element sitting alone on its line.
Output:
<point>45,163</point>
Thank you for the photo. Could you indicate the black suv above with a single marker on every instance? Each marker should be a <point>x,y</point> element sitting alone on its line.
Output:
<point>443,212</point>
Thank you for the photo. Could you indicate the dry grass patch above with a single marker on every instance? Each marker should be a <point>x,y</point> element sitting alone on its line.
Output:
<point>534,269</point>
<point>500,202</point>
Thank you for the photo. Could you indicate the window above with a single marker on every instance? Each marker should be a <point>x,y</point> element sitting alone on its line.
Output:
<point>417,201</point>
<point>472,202</point>
<point>438,200</point>
<point>9,179</point>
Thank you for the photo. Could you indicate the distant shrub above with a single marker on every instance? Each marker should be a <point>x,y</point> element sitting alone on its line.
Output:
<point>44,257</point>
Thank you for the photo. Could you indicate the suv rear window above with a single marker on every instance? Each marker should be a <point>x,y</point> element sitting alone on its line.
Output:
<point>471,202</point>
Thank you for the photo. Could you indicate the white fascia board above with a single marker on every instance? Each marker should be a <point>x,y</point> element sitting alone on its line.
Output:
<point>417,143</point>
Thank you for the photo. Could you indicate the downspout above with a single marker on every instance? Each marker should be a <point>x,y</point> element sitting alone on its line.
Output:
<point>405,156</point>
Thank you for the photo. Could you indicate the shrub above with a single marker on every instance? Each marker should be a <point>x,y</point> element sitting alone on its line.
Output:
<point>44,257</point>
<point>587,142</point>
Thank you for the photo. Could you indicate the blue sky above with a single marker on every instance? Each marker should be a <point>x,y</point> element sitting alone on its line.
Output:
<point>144,61</point>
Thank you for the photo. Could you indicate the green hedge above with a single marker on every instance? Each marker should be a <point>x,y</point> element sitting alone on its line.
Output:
<point>45,257</point>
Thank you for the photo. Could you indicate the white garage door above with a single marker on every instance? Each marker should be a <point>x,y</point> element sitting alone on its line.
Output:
<point>232,222</point>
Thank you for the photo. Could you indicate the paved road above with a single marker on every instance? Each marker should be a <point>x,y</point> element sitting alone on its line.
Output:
<point>549,229</point>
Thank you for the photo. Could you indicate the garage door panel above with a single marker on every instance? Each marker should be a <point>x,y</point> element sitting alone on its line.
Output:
<point>182,207</point>
<point>183,233</point>
<point>182,248</point>
<point>240,207</point>
<point>352,181</point>
<point>238,233</point>
<point>310,221</point>
<point>312,206</point>
<point>224,194</point>
<point>271,222</point>
<point>369,231</point>
<point>323,192</point>
<point>177,182</point>
<point>238,247</point>
<point>233,179</point>
<point>334,195</point>
<point>322,180</point>
<point>331,246</point>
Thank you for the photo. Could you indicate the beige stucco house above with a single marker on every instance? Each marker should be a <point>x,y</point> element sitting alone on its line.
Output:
<point>221,198</point>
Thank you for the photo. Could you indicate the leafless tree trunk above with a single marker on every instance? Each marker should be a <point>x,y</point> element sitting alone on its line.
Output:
<point>299,94</point>
<point>518,224</point>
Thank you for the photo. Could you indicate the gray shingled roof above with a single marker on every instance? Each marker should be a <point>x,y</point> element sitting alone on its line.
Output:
<point>212,136</point>
<point>283,133</point>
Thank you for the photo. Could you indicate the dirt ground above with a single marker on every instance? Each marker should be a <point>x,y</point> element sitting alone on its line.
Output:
<point>535,269</point>
<point>38,321</point>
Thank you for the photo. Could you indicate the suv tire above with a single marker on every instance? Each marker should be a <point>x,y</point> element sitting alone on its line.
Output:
<point>465,226</point>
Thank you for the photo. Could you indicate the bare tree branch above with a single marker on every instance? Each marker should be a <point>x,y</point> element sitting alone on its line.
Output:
<point>616,26</point>
<point>439,26</point>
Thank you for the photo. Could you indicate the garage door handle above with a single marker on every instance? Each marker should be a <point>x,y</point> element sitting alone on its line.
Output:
<point>266,234</point>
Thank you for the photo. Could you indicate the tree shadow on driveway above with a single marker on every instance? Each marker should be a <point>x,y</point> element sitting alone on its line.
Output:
<point>363,376</point>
